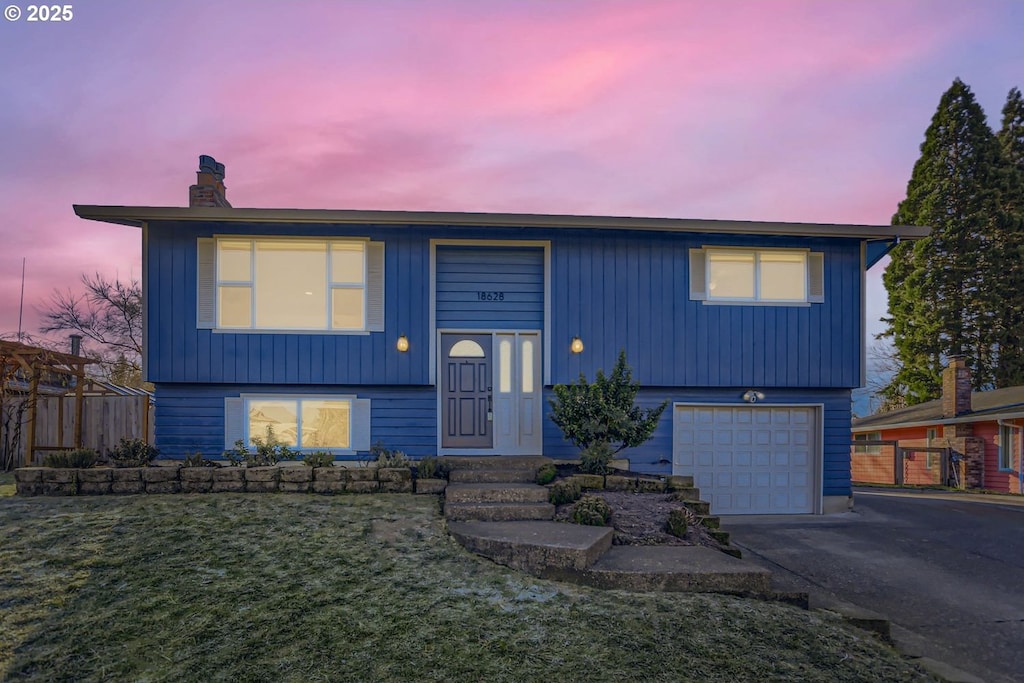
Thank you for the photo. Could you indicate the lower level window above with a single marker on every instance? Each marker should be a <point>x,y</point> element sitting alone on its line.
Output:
<point>300,423</point>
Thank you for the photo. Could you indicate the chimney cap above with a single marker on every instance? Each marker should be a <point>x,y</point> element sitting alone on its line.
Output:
<point>207,164</point>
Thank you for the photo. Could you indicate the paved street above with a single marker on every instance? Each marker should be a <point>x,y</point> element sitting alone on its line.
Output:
<point>946,569</point>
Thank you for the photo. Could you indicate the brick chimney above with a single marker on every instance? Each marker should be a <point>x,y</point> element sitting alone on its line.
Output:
<point>209,188</point>
<point>956,387</point>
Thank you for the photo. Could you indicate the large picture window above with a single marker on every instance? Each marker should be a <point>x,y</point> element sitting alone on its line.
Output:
<point>291,284</point>
<point>280,284</point>
<point>301,423</point>
<point>756,276</point>
<point>331,422</point>
<point>735,274</point>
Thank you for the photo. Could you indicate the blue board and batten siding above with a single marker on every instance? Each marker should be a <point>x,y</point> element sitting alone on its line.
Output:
<point>190,417</point>
<point>622,292</point>
<point>179,352</point>
<point>470,281</point>
<point>613,289</point>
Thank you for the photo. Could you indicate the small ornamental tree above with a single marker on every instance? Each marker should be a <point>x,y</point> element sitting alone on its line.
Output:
<point>602,417</point>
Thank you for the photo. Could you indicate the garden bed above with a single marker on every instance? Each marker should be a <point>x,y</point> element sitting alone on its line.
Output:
<point>641,518</point>
<point>641,504</point>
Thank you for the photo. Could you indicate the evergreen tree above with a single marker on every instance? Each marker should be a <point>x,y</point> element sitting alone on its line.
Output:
<point>1011,135</point>
<point>945,291</point>
<point>1008,330</point>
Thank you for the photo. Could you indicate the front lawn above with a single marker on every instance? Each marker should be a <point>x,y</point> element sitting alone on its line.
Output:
<point>276,587</point>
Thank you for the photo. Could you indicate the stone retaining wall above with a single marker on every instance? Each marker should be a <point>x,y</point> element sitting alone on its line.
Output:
<point>47,481</point>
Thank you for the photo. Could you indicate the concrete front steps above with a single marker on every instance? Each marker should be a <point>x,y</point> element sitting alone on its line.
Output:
<point>494,509</point>
<point>495,489</point>
<point>692,569</point>
<point>534,547</point>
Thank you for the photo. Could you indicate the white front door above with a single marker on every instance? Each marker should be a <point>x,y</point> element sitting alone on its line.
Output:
<point>749,460</point>
<point>517,393</point>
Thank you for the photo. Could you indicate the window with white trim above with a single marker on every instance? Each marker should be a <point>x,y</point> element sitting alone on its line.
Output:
<point>291,284</point>
<point>930,435</point>
<point>313,422</point>
<point>302,423</point>
<point>756,276</point>
<point>868,450</point>
<point>1009,446</point>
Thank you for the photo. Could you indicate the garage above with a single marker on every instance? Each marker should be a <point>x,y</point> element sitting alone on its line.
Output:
<point>749,460</point>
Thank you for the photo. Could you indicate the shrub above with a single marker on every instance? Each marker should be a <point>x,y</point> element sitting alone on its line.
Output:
<point>385,457</point>
<point>565,491</point>
<point>546,473</point>
<point>604,412</point>
<point>592,511</point>
<point>197,460</point>
<point>678,522</point>
<point>269,451</point>
<point>319,459</point>
<point>133,453</point>
<point>432,468</point>
<point>596,458</point>
<point>77,458</point>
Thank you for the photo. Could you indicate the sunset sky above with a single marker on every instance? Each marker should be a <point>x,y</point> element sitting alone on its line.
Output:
<point>795,111</point>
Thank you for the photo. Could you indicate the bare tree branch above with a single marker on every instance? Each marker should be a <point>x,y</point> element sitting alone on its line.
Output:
<point>108,314</point>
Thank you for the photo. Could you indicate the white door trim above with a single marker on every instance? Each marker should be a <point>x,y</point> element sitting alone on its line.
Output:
<point>496,448</point>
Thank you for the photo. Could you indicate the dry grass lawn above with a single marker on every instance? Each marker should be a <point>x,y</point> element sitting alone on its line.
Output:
<point>357,588</point>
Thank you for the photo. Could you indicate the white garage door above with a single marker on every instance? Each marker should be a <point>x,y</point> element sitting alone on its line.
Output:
<point>748,460</point>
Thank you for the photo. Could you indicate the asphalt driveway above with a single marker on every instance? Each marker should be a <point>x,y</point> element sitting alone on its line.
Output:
<point>946,569</point>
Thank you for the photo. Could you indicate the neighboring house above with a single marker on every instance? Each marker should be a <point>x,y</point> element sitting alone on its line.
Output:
<point>983,427</point>
<point>442,333</point>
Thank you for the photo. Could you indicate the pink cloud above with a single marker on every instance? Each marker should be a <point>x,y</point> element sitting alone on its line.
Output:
<point>786,110</point>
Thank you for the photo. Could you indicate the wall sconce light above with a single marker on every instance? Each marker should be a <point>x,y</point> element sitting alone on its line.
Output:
<point>577,345</point>
<point>753,396</point>
<point>402,344</point>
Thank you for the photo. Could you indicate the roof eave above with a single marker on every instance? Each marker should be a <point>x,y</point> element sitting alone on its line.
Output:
<point>963,419</point>
<point>136,216</point>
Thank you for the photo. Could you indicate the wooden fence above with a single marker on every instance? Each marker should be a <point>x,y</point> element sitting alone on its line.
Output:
<point>887,462</point>
<point>105,421</point>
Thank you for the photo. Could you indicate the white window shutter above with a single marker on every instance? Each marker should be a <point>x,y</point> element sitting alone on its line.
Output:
<point>360,424</point>
<point>206,283</point>
<point>234,421</point>
<point>375,286</point>
<point>816,277</point>
<point>698,276</point>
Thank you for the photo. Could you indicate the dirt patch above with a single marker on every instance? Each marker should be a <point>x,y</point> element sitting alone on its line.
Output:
<point>640,519</point>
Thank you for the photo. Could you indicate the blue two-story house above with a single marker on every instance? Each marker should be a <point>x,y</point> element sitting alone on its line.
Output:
<point>443,333</point>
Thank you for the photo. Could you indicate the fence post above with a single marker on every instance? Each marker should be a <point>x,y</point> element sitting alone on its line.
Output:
<point>897,467</point>
<point>33,392</point>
